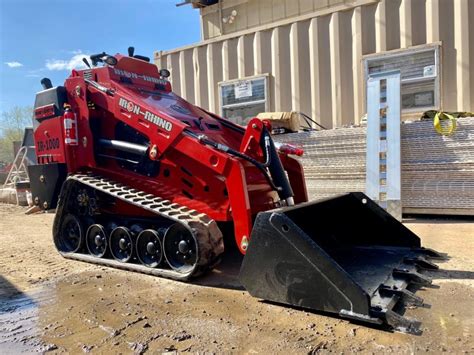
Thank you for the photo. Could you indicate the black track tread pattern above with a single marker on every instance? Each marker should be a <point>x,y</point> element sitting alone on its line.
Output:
<point>204,229</point>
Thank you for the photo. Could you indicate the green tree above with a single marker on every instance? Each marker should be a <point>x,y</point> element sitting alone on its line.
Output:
<point>12,125</point>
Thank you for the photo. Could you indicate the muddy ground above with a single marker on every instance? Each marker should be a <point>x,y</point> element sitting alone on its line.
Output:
<point>51,304</point>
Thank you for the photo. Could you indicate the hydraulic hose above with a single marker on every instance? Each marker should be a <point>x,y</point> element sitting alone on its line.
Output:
<point>277,178</point>
<point>276,169</point>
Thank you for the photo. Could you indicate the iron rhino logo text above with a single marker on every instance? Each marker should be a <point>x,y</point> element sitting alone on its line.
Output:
<point>144,77</point>
<point>132,107</point>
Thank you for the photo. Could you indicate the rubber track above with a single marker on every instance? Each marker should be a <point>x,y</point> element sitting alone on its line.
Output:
<point>205,230</point>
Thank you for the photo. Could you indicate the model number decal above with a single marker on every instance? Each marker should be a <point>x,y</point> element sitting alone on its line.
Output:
<point>48,144</point>
<point>131,75</point>
<point>132,107</point>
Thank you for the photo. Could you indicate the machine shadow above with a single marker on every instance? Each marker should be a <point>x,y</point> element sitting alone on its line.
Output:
<point>12,299</point>
<point>443,274</point>
<point>226,273</point>
<point>330,315</point>
<point>437,219</point>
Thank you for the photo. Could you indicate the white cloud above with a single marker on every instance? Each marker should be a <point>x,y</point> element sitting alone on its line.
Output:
<point>14,64</point>
<point>75,62</point>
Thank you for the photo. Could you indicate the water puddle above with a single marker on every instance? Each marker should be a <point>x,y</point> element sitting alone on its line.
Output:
<point>19,315</point>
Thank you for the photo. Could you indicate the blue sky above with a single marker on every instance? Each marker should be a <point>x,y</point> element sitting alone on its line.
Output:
<point>45,38</point>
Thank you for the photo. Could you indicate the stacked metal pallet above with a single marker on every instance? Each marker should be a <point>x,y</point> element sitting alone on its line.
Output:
<point>437,171</point>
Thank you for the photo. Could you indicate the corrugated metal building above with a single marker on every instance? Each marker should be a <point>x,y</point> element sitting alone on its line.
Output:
<point>314,56</point>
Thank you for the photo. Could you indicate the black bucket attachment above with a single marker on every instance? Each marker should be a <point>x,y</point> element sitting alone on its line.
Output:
<point>343,255</point>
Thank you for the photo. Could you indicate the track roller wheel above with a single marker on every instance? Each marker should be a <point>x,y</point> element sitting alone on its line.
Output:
<point>149,248</point>
<point>121,244</point>
<point>180,248</point>
<point>96,240</point>
<point>71,235</point>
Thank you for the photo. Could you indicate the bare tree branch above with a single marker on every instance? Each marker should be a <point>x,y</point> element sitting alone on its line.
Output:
<point>12,125</point>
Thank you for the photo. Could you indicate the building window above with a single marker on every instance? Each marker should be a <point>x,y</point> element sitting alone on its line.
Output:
<point>419,69</point>
<point>243,99</point>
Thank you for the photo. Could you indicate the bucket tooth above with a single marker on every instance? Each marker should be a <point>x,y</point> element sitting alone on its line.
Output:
<point>421,262</point>
<point>413,276</point>
<point>408,297</point>
<point>430,253</point>
<point>401,323</point>
<point>344,313</point>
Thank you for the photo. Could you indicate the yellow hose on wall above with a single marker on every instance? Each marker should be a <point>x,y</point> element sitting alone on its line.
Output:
<point>445,130</point>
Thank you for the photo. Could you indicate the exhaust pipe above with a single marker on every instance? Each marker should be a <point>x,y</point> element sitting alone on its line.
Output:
<point>46,83</point>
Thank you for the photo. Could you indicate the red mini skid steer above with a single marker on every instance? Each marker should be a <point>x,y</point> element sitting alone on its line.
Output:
<point>144,181</point>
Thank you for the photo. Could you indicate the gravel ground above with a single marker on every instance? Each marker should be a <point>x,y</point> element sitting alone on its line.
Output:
<point>50,304</point>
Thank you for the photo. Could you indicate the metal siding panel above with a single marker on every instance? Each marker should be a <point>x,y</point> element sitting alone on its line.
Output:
<point>211,80</point>
<point>160,62</point>
<point>183,83</point>
<point>186,75</point>
<point>261,48</point>
<point>314,68</point>
<point>284,55</point>
<point>281,68</point>
<point>213,27</point>
<point>471,51</point>
<point>461,37</point>
<point>406,29</point>
<point>276,69</point>
<point>229,58</point>
<point>357,73</point>
<point>200,80</point>
<point>265,47</point>
<point>295,69</point>
<point>432,21</point>
<point>448,62</point>
<point>392,19</point>
<point>299,58</point>
<point>242,17</point>
<point>325,73</point>
<point>336,81</point>
<point>218,72</point>
<point>225,61</point>
<point>418,22</point>
<point>347,89</point>
<point>306,6</point>
<point>257,53</point>
<point>248,54</point>
<point>368,29</point>
<point>381,27</point>
<point>197,76</point>
<point>175,73</point>
<point>304,67</point>
<point>278,10</point>
<point>228,27</point>
<point>292,8</point>
<point>233,67</point>
<point>265,11</point>
<point>253,13</point>
<point>320,4</point>
<point>241,57</point>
